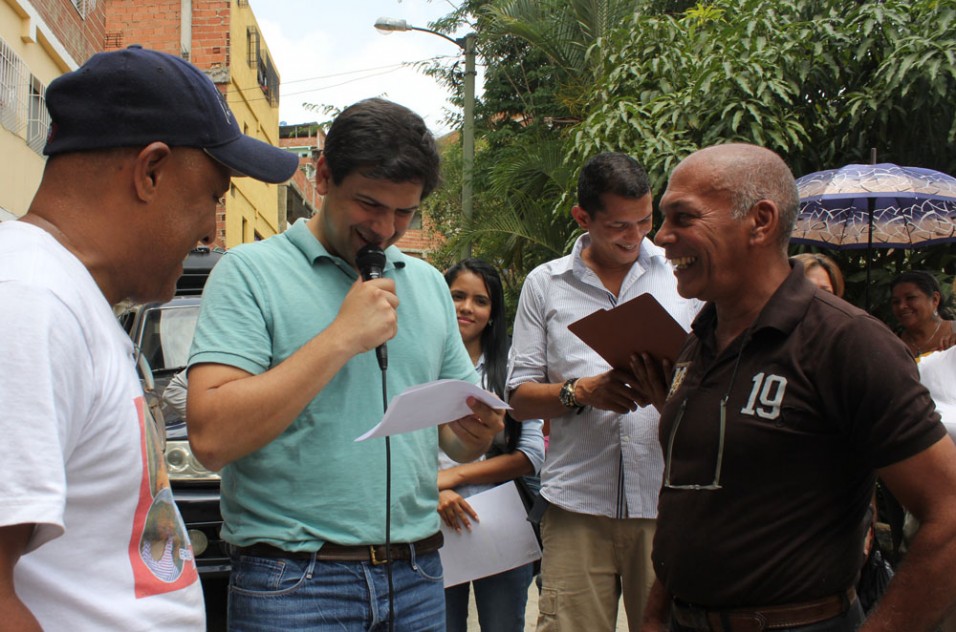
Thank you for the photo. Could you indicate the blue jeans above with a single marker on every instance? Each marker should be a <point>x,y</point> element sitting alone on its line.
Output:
<point>306,594</point>
<point>500,600</point>
<point>847,622</point>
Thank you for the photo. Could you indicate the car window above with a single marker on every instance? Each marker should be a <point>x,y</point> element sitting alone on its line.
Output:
<point>167,335</point>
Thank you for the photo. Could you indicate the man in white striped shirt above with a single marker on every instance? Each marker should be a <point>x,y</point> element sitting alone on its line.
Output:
<point>603,470</point>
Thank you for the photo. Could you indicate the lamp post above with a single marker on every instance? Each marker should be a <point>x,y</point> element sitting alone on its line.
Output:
<point>466,44</point>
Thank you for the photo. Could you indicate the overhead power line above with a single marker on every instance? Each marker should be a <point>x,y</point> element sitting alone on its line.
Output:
<point>353,72</point>
<point>385,70</point>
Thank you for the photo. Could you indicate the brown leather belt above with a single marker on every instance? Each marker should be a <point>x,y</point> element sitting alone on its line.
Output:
<point>331,552</point>
<point>759,619</point>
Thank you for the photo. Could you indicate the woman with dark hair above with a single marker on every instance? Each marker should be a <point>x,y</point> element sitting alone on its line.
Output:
<point>916,304</point>
<point>517,451</point>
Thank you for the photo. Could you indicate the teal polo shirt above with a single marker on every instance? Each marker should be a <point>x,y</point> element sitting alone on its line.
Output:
<point>314,483</point>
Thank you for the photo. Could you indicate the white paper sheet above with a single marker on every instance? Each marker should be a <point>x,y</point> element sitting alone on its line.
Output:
<point>938,374</point>
<point>502,539</point>
<point>430,405</point>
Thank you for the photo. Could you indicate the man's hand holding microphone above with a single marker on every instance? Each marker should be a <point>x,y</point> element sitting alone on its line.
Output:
<point>369,313</point>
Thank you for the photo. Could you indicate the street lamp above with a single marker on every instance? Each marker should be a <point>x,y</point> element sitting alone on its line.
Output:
<point>467,44</point>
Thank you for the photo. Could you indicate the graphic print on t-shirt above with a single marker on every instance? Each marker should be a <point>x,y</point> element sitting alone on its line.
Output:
<point>680,372</point>
<point>159,549</point>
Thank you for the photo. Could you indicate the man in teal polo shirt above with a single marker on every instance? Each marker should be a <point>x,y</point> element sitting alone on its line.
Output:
<point>283,378</point>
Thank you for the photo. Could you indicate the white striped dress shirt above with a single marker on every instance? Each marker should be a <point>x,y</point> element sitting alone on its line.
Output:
<point>598,462</point>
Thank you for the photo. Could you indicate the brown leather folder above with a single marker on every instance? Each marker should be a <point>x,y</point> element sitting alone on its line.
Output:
<point>640,325</point>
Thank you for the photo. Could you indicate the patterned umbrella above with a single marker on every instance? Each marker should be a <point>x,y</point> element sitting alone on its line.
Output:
<point>880,205</point>
<point>906,206</point>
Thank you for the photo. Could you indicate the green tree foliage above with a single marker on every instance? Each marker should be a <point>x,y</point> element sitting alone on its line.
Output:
<point>520,169</point>
<point>820,83</point>
<point>562,31</point>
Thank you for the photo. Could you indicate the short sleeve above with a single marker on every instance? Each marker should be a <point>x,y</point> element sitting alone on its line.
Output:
<point>45,365</point>
<point>456,363</point>
<point>531,443</point>
<point>887,412</point>
<point>232,327</point>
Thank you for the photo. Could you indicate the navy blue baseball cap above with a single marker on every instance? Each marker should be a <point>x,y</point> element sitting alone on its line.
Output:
<point>134,97</point>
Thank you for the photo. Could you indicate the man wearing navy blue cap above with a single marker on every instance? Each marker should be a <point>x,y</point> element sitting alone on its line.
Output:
<point>141,148</point>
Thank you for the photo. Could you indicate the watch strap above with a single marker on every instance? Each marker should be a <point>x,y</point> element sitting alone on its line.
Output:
<point>566,395</point>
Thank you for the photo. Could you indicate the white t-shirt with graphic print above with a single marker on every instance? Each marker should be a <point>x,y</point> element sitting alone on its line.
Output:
<point>79,458</point>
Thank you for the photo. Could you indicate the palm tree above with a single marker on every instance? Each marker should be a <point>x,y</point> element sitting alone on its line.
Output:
<point>536,53</point>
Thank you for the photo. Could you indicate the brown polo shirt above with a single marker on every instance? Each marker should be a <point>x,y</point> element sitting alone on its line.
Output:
<point>819,395</point>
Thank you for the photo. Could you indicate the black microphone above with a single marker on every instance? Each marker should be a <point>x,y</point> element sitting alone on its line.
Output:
<point>371,264</point>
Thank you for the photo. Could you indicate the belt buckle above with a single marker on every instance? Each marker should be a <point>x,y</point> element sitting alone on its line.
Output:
<point>374,558</point>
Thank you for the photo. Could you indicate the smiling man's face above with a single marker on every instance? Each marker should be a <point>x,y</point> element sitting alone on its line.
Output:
<point>618,229</point>
<point>362,210</point>
<point>700,236</point>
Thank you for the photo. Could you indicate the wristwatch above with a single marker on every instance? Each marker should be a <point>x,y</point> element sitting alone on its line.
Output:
<point>567,395</point>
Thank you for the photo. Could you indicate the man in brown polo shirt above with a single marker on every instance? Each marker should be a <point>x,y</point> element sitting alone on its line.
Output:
<point>786,403</point>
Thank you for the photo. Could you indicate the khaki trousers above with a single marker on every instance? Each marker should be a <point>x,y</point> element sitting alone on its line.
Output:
<point>588,563</point>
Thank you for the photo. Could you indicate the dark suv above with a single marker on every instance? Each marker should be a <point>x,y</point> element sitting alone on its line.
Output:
<point>162,334</point>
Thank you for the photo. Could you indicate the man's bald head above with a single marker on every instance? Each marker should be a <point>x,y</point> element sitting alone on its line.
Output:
<point>749,174</point>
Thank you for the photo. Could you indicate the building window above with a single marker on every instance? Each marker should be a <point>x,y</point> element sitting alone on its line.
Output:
<point>268,80</point>
<point>84,7</point>
<point>252,39</point>
<point>13,85</point>
<point>38,121</point>
<point>113,40</point>
<point>266,75</point>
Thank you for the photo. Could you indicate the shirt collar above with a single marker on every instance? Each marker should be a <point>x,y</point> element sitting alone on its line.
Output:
<point>783,312</point>
<point>306,242</point>
<point>789,304</point>
<point>650,254</point>
<point>582,242</point>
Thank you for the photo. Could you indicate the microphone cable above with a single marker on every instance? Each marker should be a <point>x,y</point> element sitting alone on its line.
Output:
<point>388,512</point>
<point>370,261</point>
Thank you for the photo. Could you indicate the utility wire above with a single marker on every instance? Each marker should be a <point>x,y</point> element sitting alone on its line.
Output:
<point>352,72</point>
<point>336,85</point>
<point>387,70</point>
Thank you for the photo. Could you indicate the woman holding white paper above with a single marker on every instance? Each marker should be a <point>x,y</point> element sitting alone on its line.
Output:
<point>517,452</point>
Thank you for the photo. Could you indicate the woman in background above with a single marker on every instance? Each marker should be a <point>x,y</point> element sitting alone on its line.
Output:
<point>916,304</point>
<point>517,451</point>
<point>938,375</point>
<point>823,272</point>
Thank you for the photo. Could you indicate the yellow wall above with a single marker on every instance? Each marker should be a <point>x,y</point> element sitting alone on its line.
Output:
<point>32,41</point>
<point>251,204</point>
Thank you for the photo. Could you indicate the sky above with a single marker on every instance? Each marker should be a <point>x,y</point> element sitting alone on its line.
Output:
<point>329,53</point>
